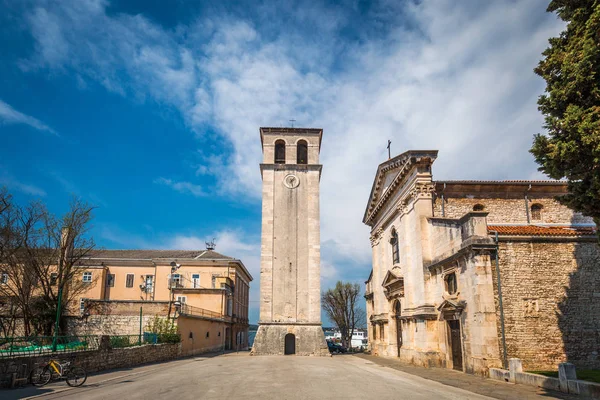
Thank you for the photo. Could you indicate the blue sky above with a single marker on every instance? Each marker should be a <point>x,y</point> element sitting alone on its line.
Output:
<point>150,109</point>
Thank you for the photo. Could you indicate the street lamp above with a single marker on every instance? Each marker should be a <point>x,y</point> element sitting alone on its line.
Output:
<point>177,305</point>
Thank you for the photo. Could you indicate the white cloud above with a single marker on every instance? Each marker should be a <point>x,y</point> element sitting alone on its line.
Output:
<point>9,115</point>
<point>12,183</point>
<point>182,187</point>
<point>453,76</point>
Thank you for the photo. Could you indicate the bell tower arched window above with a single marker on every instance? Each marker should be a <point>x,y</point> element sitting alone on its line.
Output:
<point>395,247</point>
<point>302,152</point>
<point>280,152</point>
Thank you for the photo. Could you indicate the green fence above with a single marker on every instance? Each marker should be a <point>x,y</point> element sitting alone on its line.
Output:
<point>38,345</point>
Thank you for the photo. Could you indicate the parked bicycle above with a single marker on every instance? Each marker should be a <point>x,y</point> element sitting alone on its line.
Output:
<point>54,370</point>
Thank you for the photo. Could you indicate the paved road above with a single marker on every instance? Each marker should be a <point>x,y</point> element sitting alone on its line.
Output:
<point>242,376</point>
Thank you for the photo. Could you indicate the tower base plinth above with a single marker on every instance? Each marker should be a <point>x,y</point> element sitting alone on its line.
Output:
<point>298,339</point>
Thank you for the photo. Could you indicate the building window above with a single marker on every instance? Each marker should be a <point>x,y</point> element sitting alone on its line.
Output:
<point>214,281</point>
<point>149,283</point>
<point>229,306</point>
<point>374,332</point>
<point>196,281</point>
<point>302,152</point>
<point>87,277</point>
<point>536,212</point>
<point>4,278</point>
<point>182,299</point>
<point>129,280</point>
<point>110,280</point>
<point>450,280</point>
<point>395,247</point>
<point>478,207</point>
<point>207,335</point>
<point>81,305</point>
<point>176,281</point>
<point>280,152</point>
<point>53,278</point>
<point>382,332</point>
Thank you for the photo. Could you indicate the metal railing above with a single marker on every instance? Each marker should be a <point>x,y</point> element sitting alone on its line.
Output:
<point>185,309</point>
<point>122,341</point>
<point>32,346</point>
<point>19,346</point>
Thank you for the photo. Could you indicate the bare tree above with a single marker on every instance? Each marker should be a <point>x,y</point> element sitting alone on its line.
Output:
<point>341,306</point>
<point>17,283</point>
<point>41,256</point>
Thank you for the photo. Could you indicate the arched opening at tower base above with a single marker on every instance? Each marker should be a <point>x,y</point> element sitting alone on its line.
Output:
<point>290,344</point>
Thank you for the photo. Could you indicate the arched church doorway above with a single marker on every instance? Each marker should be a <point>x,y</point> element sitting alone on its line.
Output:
<point>397,313</point>
<point>290,344</point>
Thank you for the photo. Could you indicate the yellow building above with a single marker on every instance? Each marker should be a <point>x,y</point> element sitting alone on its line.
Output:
<point>195,283</point>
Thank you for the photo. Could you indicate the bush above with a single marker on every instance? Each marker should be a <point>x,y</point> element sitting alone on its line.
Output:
<point>169,338</point>
<point>165,330</point>
<point>117,342</point>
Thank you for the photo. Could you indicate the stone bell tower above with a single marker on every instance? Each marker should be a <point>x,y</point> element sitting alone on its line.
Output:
<point>290,286</point>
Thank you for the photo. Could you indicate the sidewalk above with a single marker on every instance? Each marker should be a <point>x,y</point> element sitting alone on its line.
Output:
<point>472,383</point>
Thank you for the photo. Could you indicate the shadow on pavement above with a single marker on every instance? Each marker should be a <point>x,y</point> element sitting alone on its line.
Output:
<point>471,383</point>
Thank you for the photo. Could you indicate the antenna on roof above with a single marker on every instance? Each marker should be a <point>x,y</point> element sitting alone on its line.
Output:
<point>211,245</point>
<point>292,121</point>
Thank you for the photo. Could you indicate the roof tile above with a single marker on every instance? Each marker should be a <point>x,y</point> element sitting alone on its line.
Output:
<point>536,230</point>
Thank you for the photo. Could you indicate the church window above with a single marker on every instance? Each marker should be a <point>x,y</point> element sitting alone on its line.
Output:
<point>395,247</point>
<point>536,212</point>
<point>302,152</point>
<point>478,207</point>
<point>280,152</point>
<point>451,287</point>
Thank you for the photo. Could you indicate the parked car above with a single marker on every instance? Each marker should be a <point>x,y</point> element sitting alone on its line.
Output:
<point>336,348</point>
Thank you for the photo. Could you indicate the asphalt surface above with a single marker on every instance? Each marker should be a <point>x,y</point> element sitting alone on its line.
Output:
<point>252,377</point>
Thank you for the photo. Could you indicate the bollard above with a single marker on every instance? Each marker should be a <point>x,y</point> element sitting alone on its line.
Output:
<point>566,373</point>
<point>514,366</point>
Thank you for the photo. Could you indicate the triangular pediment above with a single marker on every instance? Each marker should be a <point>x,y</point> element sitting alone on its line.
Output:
<point>390,174</point>
<point>450,305</point>
<point>391,278</point>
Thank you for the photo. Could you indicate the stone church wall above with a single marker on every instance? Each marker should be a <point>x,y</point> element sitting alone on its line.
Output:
<point>551,295</point>
<point>509,211</point>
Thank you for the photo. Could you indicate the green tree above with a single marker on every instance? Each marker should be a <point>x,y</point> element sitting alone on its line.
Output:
<point>571,105</point>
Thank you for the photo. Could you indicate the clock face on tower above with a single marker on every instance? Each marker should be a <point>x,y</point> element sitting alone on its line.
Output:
<point>291,181</point>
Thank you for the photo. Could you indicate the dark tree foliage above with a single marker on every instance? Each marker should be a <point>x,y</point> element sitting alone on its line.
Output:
<point>571,105</point>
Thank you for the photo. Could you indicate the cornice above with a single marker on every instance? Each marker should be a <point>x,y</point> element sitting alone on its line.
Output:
<point>404,163</point>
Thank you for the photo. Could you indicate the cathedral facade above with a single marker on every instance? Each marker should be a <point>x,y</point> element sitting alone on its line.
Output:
<point>467,274</point>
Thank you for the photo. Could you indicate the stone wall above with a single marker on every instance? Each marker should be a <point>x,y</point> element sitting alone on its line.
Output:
<point>96,360</point>
<point>551,293</point>
<point>116,317</point>
<point>510,210</point>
